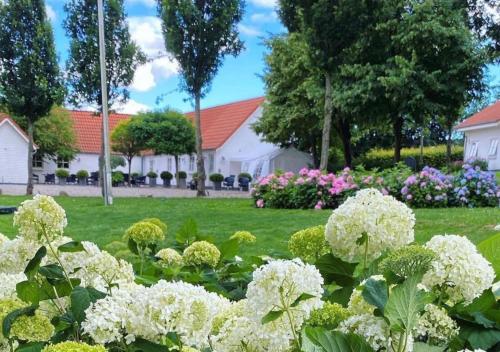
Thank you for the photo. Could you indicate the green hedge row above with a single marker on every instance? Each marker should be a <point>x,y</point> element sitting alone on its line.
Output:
<point>433,156</point>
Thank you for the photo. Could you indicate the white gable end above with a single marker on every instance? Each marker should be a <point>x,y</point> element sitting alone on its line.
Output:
<point>13,154</point>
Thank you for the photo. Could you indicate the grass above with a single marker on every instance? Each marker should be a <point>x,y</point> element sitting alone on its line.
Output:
<point>89,220</point>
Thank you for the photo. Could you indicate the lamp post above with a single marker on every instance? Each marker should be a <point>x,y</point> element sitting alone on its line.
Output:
<point>108,197</point>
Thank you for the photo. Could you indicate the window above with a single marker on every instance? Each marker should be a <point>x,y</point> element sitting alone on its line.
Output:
<point>191,163</point>
<point>493,148</point>
<point>169,164</point>
<point>473,150</point>
<point>62,163</point>
<point>151,165</point>
<point>37,161</point>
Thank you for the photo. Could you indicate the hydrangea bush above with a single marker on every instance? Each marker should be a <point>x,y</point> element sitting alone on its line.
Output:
<point>364,286</point>
<point>429,188</point>
<point>476,188</point>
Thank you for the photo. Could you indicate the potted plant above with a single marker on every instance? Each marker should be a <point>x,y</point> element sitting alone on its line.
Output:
<point>117,178</point>
<point>246,183</point>
<point>62,175</point>
<point>167,178</point>
<point>181,177</point>
<point>152,178</point>
<point>82,176</point>
<point>217,181</point>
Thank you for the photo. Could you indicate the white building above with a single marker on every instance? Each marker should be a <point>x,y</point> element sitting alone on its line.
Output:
<point>230,146</point>
<point>482,135</point>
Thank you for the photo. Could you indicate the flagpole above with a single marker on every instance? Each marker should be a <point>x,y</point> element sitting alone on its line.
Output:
<point>108,197</point>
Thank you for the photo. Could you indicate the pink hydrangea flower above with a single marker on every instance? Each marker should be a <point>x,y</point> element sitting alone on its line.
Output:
<point>260,203</point>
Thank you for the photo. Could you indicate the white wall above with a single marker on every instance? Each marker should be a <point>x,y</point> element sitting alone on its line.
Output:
<point>484,137</point>
<point>13,155</point>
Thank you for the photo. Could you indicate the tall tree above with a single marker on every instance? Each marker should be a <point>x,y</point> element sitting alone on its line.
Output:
<point>294,94</point>
<point>124,142</point>
<point>30,82</point>
<point>165,133</point>
<point>199,34</point>
<point>123,56</point>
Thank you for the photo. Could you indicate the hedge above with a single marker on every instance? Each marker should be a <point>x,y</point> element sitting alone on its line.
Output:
<point>433,156</point>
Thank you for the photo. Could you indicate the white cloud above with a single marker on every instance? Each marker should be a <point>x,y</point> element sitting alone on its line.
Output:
<point>131,107</point>
<point>264,17</point>
<point>51,14</point>
<point>264,3</point>
<point>148,3</point>
<point>146,32</point>
<point>248,30</point>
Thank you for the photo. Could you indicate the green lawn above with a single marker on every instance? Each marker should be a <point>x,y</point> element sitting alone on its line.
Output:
<point>90,220</point>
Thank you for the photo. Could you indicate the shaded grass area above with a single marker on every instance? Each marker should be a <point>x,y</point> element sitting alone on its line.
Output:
<point>89,220</point>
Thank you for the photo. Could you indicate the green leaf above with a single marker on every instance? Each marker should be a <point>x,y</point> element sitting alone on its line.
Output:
<point>12,316</point>
<point>132,246</point>
<point>31,347</point>
<point>73,246</point>
<point>95,295</point>
<point>272,316</point>
<point>229,249</point>
<point>80,301</point>
<point>322,340</point>
<point>423,347</point>
<point>34,263</point>
<point>362,240</point>
<point>188,232</point>
<point>30,291</point>
<point>405,303</point>
<point>302,297</point>
<point>335,270</point>
<point>490,249</point>
<point>478,336</point>
<point>52,271</point>
<point>141,345</point>
<point>375,292</point>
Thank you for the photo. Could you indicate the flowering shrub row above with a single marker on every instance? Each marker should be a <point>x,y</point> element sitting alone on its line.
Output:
<point>358,283</point>
<point>470,187</point>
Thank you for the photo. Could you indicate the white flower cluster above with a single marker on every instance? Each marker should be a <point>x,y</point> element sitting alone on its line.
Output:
<point>436,326</point>
<point>8,284</point>
<point>386,223</point>
<point>374,329</point>
<point>40,215</point>
<point>152,312</point>
<point>459,269</point>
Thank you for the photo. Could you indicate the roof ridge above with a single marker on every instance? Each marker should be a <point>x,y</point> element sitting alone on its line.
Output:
<point>99,114</point>
<point>228,104</point>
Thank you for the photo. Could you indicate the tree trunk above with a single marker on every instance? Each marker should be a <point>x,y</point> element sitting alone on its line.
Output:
<point>129,159</point>
<point>344,129</point>
<point>448,143</point>
<point>29,187</point>
<point>327,123</point>
<point>176,160</point>
<point>199,151</point>
<point>101,163</point>
<point>422,147</point>
<point>397,128</point>
<point>315,158</point>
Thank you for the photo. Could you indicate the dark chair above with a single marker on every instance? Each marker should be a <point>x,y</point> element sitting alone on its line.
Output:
<point>50,178</point>
<point>71,179</point>
<point>411,162</point>
<point>126,177</point>
<point>229,182</point>
<point>94,178</point>
<point>244,183</point>
<point>193,184</point>
<point>36,178</point>
<point>141,180</point>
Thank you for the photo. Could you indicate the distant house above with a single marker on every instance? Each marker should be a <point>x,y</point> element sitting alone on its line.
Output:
<point>13,152</point>
<point>482,135</point>
<point>230,146</point>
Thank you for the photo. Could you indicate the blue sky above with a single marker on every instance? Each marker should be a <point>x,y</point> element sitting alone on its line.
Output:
<point>237,79</point>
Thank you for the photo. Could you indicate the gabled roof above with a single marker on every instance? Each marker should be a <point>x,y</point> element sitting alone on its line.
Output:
<point>219,123</point>
<point>4,118</point>
<point>88,127</point>
<point>488,115</point>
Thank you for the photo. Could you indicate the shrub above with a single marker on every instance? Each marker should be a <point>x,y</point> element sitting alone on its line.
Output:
<point>480,163</point>
<point>117,177</point>
<point>135,174</point>
<point>216,177</point>
<point>62,173</point>
<point>152,174</point>
<point>245,174</point>
<point>82,174</point>
<point>428,188</point>
<point>182,174</point>
<point>165,175</point>
<point>433,156</point>
<point>476,188</point>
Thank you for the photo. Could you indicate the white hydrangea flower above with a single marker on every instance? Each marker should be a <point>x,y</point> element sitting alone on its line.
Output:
<point>436,326</point>
<point>476,350</point>
<point>459,268</point>
<point>277,285</point>
<point>374,329</point>
<point>15,254</point>
<point>8,284</point>
<point>387,223</point>
<point>40,215</point>
<point>3,239</point>
<point>497,228</point>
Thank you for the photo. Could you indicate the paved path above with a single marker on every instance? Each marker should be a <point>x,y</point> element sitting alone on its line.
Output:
<point>92,191</point>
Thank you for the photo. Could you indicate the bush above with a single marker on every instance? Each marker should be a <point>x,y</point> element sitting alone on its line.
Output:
<point>82,174</point>
<point>481,163</point>
<point>476,188</point>
<point>245,174</point>
<point>182,174</point>
<point>428,188</point>
<point>165,175</point>
<point>152,174</point>
<point>433,156</point>
<point>216,177</point>
<point>117,177</point>
<point>62,173</point>
<point>135,174</point>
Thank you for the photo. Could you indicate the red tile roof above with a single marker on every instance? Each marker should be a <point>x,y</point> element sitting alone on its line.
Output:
<point>88,128</point>
<point>220,122</point>
<point>7,117</point>
<point>491,114</point>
